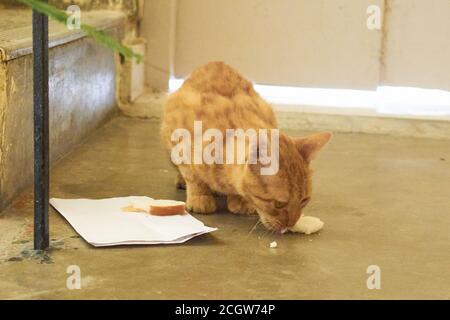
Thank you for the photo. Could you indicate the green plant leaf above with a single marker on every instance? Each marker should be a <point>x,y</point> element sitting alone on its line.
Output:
<point>98,35</point>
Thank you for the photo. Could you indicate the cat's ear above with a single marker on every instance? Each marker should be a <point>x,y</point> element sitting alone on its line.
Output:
<point>309,146</point>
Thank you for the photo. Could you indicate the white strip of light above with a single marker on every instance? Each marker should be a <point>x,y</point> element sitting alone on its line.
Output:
<point>413,101</point>
<point>388,100</point>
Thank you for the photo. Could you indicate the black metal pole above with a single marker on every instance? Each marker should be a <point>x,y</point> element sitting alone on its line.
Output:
<point>41,130</point>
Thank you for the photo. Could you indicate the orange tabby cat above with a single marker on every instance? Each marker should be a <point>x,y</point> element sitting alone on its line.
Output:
<point>221,98</point>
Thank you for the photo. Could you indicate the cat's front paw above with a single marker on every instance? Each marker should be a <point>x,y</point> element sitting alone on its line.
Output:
<point>238,205</point>
<point>201,204</point>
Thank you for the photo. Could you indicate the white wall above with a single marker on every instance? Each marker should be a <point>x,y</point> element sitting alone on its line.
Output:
<point>158,28</point>
<point>308,43</point>
<point>315,43</point>
<point>418,44</point>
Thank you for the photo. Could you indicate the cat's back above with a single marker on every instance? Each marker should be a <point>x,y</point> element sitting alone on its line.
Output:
<point>221,98</point>
<point>219,78</point>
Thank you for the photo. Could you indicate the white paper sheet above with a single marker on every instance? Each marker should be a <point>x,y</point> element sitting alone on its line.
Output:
<point>104,223</point>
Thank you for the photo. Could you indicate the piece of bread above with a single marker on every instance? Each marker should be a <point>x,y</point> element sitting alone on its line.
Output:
<point>167,207</point>
<point>138,205</point>
<point>307,225</point>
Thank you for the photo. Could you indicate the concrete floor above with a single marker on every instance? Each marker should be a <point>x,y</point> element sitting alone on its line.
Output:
<point>384,201</point>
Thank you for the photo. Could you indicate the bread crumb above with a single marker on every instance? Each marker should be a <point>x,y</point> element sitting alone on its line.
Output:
<point>273,245</point>
<point>130,208</point>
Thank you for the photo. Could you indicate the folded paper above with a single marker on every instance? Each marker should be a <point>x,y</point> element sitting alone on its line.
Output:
<point>105,222</point>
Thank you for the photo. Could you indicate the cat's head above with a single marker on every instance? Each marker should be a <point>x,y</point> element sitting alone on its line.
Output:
<point>280,198</point>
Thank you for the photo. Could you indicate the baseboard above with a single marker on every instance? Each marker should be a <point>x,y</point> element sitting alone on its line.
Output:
<point>363,122</point>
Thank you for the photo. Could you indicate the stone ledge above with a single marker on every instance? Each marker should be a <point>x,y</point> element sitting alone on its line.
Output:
<point>16,30</point>
<point>82,93</point>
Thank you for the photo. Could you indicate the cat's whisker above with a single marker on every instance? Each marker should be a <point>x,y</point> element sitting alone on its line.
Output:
<point>254,227</point>
<point>267,232</point>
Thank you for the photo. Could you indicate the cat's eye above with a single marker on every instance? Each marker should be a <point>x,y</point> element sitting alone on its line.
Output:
<point>280,205</point>
<point>305,202</point>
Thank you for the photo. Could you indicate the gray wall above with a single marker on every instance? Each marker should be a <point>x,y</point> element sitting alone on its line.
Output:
<point>82,96</point>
